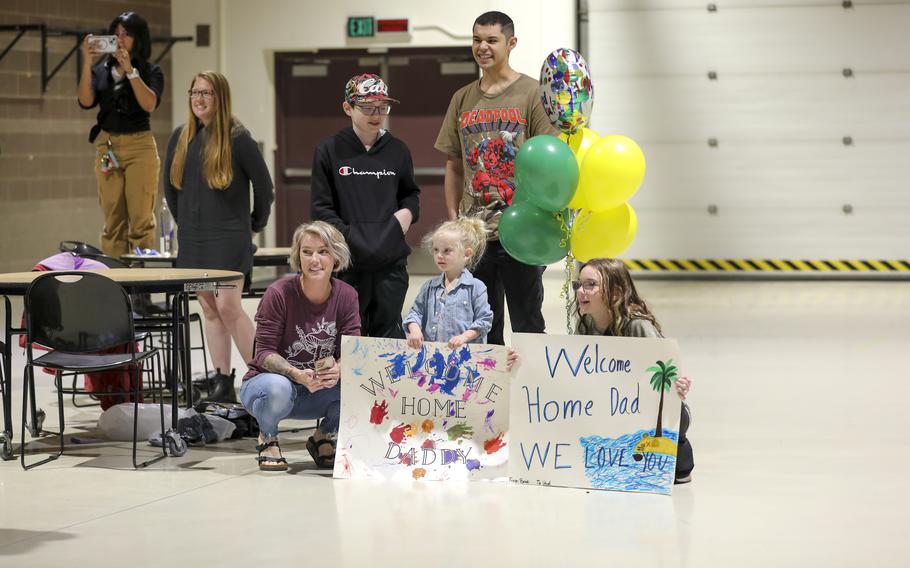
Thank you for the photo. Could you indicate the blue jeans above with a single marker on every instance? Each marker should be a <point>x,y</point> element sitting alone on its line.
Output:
<point>271,398</point>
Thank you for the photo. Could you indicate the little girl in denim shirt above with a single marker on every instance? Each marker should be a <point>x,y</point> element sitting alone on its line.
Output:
<point>452,307</point>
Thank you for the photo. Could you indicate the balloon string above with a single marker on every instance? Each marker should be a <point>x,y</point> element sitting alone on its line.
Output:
<point>566,231</point>
<point>569,266</point>
<point>565,294</point>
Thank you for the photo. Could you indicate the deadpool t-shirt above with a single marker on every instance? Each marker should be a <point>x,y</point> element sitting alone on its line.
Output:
<point>486,132</point>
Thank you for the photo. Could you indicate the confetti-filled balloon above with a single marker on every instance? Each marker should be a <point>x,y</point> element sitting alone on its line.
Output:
<point>566,90</point>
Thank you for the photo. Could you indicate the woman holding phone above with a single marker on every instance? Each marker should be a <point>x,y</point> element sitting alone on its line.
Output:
<point>127,89</point>
<point>301,318</point>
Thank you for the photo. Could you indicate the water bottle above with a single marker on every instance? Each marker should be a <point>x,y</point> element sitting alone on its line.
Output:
<point>167,243</point>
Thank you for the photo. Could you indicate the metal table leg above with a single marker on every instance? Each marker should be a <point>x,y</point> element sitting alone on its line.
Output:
<point>6,384</point>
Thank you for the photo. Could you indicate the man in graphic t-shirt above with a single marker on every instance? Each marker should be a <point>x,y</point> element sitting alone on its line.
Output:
<point>485,125</point>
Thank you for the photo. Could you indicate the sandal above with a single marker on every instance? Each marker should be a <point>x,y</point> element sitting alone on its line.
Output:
<point>322,461</point>
<point>270,463</point>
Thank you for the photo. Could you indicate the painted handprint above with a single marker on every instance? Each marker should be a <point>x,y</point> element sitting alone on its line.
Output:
<point>379,412</point>
<point>460,430</point>
<point>494,445</point>
<point>399,433</point>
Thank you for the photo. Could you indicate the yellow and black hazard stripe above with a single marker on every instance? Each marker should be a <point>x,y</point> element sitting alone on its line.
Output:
<point>703,265</point>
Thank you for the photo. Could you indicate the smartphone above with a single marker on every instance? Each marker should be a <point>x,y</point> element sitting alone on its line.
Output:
<point>103,44</point>
<point>325,363</point>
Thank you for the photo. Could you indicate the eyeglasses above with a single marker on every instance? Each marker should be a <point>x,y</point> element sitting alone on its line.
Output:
<point>588,286</point>
<point>373,110</point>
<point>195,94</point>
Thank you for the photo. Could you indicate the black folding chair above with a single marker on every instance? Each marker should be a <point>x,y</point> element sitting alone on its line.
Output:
<point>150,315</point>
<point>144,337</point>
<point>77,315</point>
<point>78,247</point>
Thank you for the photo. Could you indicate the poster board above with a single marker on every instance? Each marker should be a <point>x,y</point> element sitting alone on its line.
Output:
<point>432,414</point>
<point>585,410</point>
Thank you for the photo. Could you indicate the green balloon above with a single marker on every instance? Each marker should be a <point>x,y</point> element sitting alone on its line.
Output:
<point>546,171</point>
<point>519,196</point>
<point>531,235</point>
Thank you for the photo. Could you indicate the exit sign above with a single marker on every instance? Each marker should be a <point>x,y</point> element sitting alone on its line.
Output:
<point>360,27</point>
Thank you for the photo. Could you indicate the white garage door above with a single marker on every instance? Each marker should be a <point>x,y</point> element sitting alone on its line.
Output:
<point>773,129</point>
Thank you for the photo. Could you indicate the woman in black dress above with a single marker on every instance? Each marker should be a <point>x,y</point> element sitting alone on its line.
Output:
<point>211,162</point>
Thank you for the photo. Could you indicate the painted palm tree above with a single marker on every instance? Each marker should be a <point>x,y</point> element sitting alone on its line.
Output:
<point>665,374</point>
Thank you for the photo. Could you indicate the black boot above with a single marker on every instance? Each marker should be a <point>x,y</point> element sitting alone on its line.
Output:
<point>205,382</point>
<point>222,388</point>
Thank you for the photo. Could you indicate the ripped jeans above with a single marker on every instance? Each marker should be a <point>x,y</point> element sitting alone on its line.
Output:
<point>271,398</point>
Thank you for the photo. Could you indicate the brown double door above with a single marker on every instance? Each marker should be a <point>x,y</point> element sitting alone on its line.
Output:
<point>310,90</point>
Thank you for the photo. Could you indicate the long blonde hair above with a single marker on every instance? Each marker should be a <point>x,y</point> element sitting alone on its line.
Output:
<point>619,295</point>
<point>471,233</point>
<point>217,164</point>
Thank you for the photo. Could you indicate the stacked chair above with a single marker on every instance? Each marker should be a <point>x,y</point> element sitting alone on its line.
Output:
<point>149,317</point>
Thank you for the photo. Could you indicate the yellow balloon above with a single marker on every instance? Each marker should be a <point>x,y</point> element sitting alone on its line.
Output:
<point>603,234</point>
<point>580,143</point>
<point>611,173</point>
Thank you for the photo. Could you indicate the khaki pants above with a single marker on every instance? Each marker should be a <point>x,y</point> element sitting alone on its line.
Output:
<point>128,194</point>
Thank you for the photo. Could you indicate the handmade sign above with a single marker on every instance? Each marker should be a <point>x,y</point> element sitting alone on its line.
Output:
<point>434,414</point>
<point>595,412</point>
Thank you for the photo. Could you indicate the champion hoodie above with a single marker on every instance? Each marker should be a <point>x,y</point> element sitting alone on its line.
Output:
<point>359,190</point>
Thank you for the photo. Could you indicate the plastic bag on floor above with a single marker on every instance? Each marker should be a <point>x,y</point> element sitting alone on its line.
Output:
<point>245,426</point>
<point>202,429</point>
<point>223,428</point>
<point>116,423</point>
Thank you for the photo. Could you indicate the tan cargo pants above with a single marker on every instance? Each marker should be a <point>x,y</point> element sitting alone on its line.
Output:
<point>128,193</point>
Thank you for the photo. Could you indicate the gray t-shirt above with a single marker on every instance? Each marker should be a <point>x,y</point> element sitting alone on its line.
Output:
<point>640,328</point>
<point>633,328</point>
<point>486,131</point>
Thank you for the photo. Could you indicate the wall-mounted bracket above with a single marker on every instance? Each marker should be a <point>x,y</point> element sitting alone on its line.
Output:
<point>77,35</point>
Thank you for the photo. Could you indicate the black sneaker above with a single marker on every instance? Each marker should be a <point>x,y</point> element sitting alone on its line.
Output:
<point>683,480</point>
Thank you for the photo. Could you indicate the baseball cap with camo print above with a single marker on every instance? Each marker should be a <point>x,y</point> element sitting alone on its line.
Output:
<point>366,87</point>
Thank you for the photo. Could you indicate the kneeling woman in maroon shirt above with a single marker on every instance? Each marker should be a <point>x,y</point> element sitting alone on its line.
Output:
<point>295,369</point>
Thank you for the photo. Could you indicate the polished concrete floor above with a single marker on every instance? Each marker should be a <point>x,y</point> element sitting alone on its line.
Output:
<point>801,460</point>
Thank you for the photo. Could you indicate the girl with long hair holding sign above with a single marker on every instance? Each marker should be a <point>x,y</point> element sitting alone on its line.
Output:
<point>607,303</point>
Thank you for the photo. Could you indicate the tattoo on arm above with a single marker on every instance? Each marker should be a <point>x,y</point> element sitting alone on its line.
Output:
<point>275,363</point>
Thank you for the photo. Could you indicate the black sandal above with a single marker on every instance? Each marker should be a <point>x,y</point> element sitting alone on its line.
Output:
<point>269,463</point>
<point>324,462</point>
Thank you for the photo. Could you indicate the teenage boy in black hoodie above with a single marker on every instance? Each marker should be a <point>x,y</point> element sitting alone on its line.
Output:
<point>363,184</point>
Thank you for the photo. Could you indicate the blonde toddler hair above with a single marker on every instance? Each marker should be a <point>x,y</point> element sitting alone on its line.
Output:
<point>471,233</point>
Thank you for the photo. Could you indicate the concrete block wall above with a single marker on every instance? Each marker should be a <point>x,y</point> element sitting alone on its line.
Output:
<point>47,182</point>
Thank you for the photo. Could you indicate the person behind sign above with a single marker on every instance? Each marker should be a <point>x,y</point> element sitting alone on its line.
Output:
<point>485,125</point>
<point>295,370</point>
<point>607,303</point>
<point>453,306</point>
<point>363,184</point>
